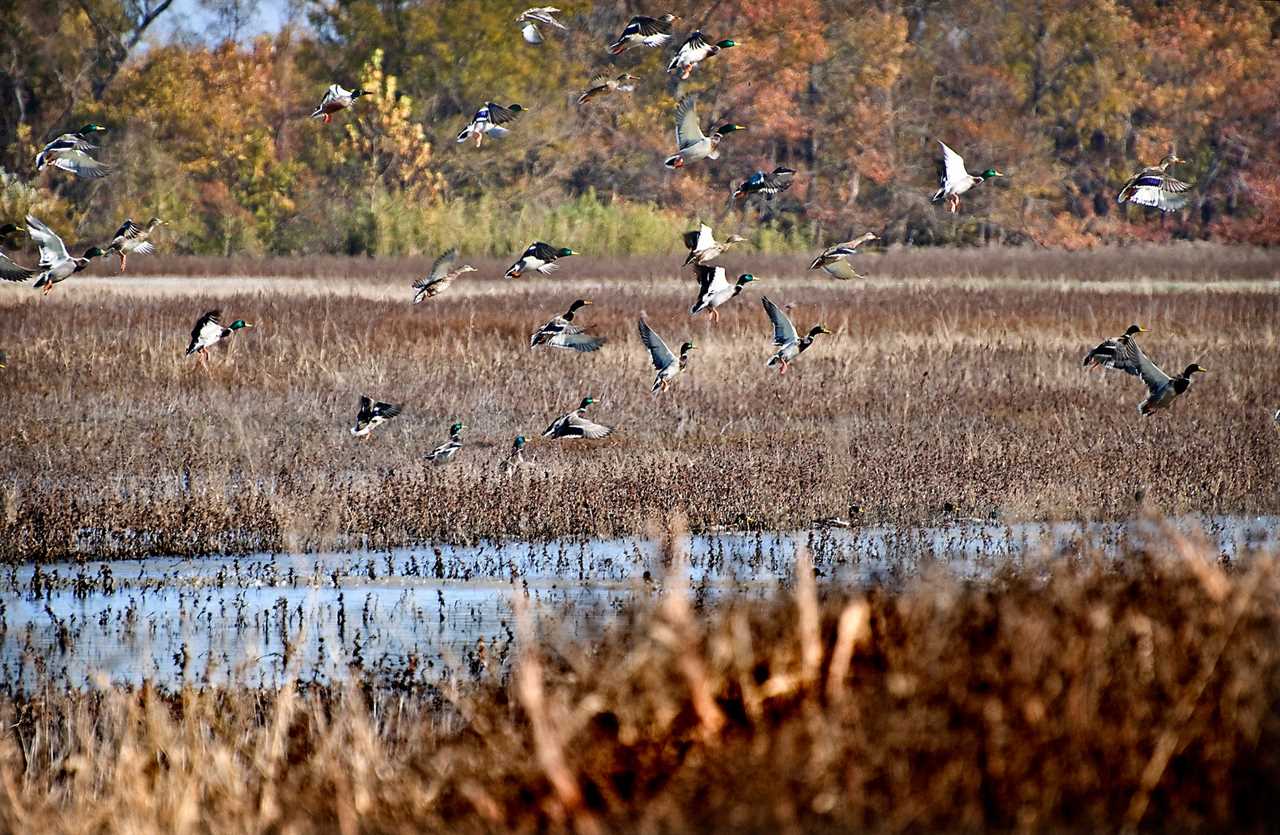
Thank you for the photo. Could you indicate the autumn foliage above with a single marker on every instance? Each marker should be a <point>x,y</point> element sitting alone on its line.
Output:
<point>1067,98</point>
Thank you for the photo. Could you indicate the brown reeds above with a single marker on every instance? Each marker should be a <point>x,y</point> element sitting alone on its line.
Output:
<point>944,397</point>
<point>1082,696</point>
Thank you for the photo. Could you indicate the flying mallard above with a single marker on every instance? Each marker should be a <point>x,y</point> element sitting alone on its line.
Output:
<point>514,461</point>
<point>1161,388</point>
<point>132,239</point>
<point>336,98</point>
<point>602,84</point>
<point>692,144</point>
<point>372,414</point>
<point>446,452</point>
<point>440,277</point>
<point>488,121</point>
<point>714,289</point>
<point>954,180</point>
<point>767,184</point>
<point>562,332</point>
<point>789,344</point>
<point>704,247</point>
<point>834,260</point>
<point>9,269</point>
<point>7,233</point>
<point>209,332</point>
<point>1154,187</point>
<point>664,362</point>
<point>539,256</point>
<point>575,424</point>
<point>1104,356</point>
<point>70,152</point>
<point>644,31</point>
<point>697,48</point>
<point>532,17</point>
<point>56,264</point>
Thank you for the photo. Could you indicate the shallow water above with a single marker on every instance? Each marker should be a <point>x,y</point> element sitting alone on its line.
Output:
<point>267,619</point>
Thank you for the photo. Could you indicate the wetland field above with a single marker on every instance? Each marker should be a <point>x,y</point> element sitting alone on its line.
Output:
<point>937,576</point>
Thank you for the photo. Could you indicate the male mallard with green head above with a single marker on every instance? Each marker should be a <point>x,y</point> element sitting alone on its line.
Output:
<point>1162,389</point>
<point>575,424</point>
<point>209,332</point>
<point>372,415</point>
<point>665,363</point>
<point>695,50</point>
<point>1154,187</point>
<point>56,264</point>
<point>446,452</point>
<point>541,257</point>
<point>715,290</point>
<point>1104,356</point>
<point>954,180</point>
<point>563,332</point>
<point>786,340</point>
<point>514,461</point>
<point>336,98</point>
<point>691,143</point>
<point>70,152</point>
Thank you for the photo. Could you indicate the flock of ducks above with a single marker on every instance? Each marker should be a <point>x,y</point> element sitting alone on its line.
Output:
<point>73,153</point>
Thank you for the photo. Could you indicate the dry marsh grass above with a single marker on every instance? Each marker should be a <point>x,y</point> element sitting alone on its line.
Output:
<point>933,396</point>
<point>1082,696</point>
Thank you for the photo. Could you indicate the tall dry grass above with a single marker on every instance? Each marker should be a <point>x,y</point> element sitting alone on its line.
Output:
<point>1080,696</point>
<point>957,396</point>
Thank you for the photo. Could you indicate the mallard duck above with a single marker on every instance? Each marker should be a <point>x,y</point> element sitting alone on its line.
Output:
<point>440,276</point>
<point>7,233</point>
<point>1154,187</point>
<point>132,239</point>
<point>834,260</point>
<point>562,332</point>
<point>372,415</point>
<point>714,289</point>
<point>1104,355</point>
<point>539,256</point>
<point>56,264</point>
<point>602,84</point>
<point>776,182</point>
<point>488,121</point>
<point>644,31</point>
<point>209,332</point>
<point>336,98</point>
<point>70,152</point>
<point>575,424</point>
<point>514,461</point>
<point>4,359</point>
<point>9,269</point>
<point>704,247</point>
<point>1161,388</point>
<point>532,17</point>
<point>789,344</point>
<point>665,363</point>
<point>954,180</point>
<point>695,49</point>
<point>446,452</point>
<point>691,143</point>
